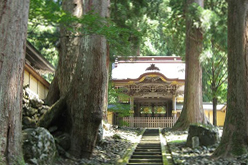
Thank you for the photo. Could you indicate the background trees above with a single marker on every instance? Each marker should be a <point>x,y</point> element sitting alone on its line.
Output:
<point>13,27</point>
<point>150,19</point>
<point>212,23</point>
<point>214,56</point>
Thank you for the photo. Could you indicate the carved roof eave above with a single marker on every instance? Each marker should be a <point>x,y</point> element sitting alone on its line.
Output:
<point>149,74</point>
<point>152,83</point>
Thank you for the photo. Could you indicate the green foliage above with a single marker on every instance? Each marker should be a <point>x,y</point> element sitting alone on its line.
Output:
<point>18,160</point>
<point>175,27</point>
<point>178,141</point>
<point>207,126</point>
<point>212,21</point>
<point>154,27</point>
<point>147,17</point>
<point>21,161</point>
<point>121,109</point>
<point>43,31</point>
<point>47,17</point>
<point>1,160</point>
<point>116,136</point>
<point>114,96</point>
<point>123,123</point>
<point>214,56</point>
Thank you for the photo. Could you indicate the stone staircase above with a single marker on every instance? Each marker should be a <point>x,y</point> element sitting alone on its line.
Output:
<point>148,151</point>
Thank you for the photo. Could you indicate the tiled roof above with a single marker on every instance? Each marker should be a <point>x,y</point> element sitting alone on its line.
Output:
<point>171,69</point>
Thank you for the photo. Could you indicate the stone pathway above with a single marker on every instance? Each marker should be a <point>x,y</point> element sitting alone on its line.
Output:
<point>149,150</point>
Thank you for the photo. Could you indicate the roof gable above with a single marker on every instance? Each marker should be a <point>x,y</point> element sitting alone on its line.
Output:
<point>173,68</point>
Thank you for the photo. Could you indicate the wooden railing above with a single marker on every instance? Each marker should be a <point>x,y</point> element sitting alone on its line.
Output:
<point>150,122</point>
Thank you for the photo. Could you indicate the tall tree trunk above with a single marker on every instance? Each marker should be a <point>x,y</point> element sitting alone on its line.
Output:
<point>105,88</point>
<point>234,139</point>
<point>215,101</point>
<point>81,78</point>
<point>192,108</point>
<point>13,30</point>
<point>68,53</point>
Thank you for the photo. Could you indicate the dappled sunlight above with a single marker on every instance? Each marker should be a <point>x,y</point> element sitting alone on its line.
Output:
<point>182,137</point>
<point>182,154</point>
<point>129,134</point>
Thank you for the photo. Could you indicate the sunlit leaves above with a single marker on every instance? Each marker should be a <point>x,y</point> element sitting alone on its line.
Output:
<point>46,13</point>
<point>175,27</point>
<point>147,17</point>
<point>114,97</point>
<point>214,56</point>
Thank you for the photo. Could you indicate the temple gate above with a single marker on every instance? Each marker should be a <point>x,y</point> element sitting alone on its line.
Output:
<point>155,86</point>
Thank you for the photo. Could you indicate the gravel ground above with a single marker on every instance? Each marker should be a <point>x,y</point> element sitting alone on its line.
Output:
<point>201,155</point>
<point>113,146</point>
<point>117,141</point>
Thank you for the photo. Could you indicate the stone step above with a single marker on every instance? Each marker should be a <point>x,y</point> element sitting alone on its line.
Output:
<point>144,163</point>
<point>146,160</point>
<point>145,145</point>
<point>147,153</point>
<point>150,138</point>
<point>148,147</point>
<point>146,157</point>
<point>149,144</point>
<point>149,141</point>
<point>147,150</point>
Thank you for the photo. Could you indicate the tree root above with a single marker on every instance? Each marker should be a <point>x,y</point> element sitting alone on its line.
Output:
<point>52,113</point>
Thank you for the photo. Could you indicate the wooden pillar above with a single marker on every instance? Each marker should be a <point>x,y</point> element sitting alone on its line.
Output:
<point>174,106</point>
<point>131,105</point>
<point>153,109</point>
<point>167,109</point>
<point>138,109</point>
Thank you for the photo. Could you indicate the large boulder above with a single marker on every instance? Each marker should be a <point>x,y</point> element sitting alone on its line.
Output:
<point>207,135</point>
<point>38,146</point>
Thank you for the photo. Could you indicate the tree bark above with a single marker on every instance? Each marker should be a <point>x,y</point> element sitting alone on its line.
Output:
<point>13,30</point>
<point>192,108</point>
<point>82,77</point>
<point>68,53</point>
<point>215,101</point>
<point>234,139</point>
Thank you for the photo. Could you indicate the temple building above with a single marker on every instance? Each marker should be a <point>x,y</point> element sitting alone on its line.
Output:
<point>155,86</point>
<point>35,67</point>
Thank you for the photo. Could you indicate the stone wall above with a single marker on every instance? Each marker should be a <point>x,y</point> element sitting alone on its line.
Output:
<point>33,109</point>
<point>38,143</point>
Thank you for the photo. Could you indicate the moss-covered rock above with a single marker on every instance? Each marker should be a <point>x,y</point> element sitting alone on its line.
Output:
<point>207,134</point>
<point>38,146</point>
